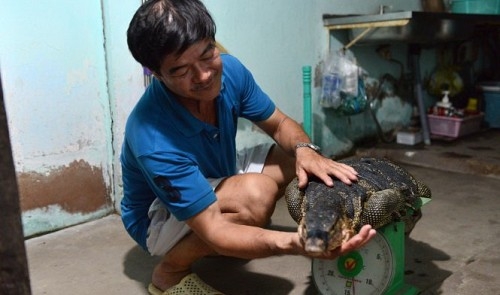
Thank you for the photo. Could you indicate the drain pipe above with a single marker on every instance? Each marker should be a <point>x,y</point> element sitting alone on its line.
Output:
<point>415,58</point>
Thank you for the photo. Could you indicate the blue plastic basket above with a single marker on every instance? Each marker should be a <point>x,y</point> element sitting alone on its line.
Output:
<point>476,6</point>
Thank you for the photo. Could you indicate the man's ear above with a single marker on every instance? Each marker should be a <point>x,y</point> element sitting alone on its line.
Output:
<point>221,48</point>
<point>157,75</point>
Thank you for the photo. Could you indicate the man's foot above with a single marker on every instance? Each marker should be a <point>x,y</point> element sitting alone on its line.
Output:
<point>189,285</point>
<point>164,280</point>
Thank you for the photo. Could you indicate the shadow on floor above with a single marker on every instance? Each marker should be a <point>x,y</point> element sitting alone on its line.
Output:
<point>138,265</point>
<point>420,269</point>
<point>238,276</point>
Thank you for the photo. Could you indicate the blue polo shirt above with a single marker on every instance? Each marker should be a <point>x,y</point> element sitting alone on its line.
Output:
<point>168,154</point>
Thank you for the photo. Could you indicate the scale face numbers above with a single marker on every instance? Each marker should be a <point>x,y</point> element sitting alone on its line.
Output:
<point>368,270</point>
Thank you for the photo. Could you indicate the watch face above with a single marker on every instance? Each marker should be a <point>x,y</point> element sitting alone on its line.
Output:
<point>368,270</point>
<point>314,147</point>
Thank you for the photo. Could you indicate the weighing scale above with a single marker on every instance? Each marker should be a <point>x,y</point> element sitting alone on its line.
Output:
<point>375,269</point>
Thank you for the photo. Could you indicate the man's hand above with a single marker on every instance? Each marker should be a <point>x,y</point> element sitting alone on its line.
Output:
<point>311,163</point>
<point>362,238</point>
<point>287,133</point>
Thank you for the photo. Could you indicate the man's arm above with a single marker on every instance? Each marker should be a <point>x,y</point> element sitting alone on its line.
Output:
<point>284,130</point>
<point>288,133</point>
<point>248,242</point>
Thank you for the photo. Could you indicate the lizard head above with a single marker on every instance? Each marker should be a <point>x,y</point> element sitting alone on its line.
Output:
<point>323,225</point>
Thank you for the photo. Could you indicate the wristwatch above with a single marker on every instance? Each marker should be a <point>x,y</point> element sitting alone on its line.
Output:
<point>308,145</point>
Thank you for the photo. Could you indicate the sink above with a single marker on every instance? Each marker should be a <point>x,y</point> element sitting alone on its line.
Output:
<point>409,26</point>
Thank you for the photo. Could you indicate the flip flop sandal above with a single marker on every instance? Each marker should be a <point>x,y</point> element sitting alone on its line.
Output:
<point>189,285</point>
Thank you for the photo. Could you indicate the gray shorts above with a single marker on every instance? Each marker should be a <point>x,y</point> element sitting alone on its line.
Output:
<point>165,231</point>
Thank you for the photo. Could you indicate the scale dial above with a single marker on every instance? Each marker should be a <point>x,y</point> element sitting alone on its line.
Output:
<point>368,270</point>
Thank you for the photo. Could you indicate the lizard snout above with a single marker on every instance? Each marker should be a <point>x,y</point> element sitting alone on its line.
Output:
<point>316,241</point>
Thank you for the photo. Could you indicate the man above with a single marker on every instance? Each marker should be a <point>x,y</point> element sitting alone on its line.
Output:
<point>187,192</point>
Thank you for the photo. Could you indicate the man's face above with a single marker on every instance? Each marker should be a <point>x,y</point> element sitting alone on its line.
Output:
<point>195,74</point>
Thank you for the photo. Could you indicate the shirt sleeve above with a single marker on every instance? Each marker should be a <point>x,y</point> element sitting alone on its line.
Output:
<point>255,104</point>
<point>178,182</point>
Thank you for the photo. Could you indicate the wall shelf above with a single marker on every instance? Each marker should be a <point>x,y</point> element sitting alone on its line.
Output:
<point>411,26</point>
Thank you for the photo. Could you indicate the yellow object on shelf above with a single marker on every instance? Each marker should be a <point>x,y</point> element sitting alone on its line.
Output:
<point>471,106</point>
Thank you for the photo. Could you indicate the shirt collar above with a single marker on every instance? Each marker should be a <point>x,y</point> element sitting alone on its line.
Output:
<point>182,119</point>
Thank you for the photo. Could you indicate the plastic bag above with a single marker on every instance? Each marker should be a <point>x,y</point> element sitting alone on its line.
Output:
<point>343,88</point>
<point>352,105</point>
<point>340,79</point>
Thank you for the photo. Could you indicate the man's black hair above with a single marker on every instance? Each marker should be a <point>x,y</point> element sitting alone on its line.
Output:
<point>163,27</point>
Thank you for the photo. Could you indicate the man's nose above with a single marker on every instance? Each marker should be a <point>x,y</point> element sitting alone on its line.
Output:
<point>201,72</point>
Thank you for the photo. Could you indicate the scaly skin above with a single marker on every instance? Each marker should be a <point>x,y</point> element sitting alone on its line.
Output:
<point>329,216</point>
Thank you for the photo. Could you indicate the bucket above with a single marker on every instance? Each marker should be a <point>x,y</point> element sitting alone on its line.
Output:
<point>476,6</point>
<point>491,92</point>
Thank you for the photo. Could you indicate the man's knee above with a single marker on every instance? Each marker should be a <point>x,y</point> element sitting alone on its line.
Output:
<point>261,194</point>
<point>262,189</point>
<point>251,198</point>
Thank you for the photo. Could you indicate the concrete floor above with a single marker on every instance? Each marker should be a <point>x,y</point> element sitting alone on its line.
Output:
<point>453,249</point>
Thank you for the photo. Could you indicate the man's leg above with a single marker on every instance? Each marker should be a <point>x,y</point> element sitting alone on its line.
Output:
<point>281,167</point>
<point>177,262</point>
<point>244,199</point>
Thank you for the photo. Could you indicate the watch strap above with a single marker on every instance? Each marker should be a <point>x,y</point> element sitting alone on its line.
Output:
<point>308,145</point>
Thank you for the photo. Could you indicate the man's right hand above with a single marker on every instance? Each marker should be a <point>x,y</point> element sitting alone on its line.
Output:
<point>359,240</point>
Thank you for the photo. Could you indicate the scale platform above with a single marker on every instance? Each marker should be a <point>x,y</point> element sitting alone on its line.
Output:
<point>375,269</point>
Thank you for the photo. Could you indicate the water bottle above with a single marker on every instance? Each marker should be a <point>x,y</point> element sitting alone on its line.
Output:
<point>330,95</point>
<point>350,85</point>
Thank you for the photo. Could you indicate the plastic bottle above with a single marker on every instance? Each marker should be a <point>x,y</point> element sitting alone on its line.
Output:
<point>445,101</point>
<point>332,81</point>
<point>444,106</point>
<point>350,78</point>
<point>331,90</point>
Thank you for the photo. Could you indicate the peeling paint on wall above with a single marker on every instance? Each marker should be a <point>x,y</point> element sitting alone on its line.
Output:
<point>52,218</point>
<point>64,196</point>
<point>77,188</point>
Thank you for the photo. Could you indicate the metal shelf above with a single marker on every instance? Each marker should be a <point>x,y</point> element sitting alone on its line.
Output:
<point>336,22</point>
